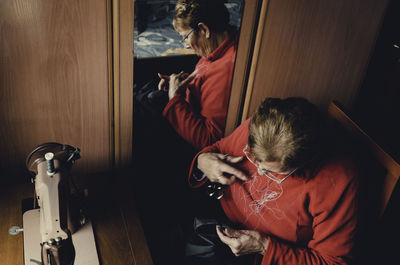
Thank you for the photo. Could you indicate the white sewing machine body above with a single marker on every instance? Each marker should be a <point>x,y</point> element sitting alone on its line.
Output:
<point>49,189</point>
<point>51,237</point>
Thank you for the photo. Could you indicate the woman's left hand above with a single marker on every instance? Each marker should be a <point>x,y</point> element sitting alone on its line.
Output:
<point>243,242</point>
<point>178,83</point>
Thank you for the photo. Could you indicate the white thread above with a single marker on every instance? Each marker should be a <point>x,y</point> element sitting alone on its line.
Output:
<point>268,201</point>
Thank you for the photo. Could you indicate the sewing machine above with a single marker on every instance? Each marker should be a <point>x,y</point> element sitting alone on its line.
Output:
<point>56,232</point>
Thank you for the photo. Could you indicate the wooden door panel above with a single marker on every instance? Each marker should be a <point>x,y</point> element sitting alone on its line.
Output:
<point>54,80</point>
<point>314,49</point>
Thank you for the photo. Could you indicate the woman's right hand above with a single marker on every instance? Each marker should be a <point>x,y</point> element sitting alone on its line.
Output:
<point>218,168</point>
<point>163,84</point>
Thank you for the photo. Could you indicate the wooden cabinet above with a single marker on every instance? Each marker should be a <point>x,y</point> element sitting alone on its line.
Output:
<point>62,80</point>
<point>67,68</point>
<point>66,71</point>
<point>55,81</point>
<point>314,49</point>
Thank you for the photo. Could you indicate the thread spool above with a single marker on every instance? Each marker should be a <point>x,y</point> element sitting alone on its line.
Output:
<point>50,163</point>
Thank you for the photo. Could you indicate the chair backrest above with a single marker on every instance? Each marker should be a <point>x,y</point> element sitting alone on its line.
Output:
<point>388,179</point>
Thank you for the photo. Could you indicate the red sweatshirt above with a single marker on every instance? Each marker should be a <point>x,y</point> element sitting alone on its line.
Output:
<point>308,221</point>
<point>200,117</point>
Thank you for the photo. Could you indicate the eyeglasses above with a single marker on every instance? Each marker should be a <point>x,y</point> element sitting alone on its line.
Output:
<point>267,173</point>
<point>187,36</point>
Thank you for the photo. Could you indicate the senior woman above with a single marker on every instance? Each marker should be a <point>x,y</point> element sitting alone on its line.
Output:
<point>195,113</point>
<point>198,102</point>
<point>193,117</point>
<point>295,203</point>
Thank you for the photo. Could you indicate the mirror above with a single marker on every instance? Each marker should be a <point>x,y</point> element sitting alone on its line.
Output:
<point>166,136</point>
<point>209,63</point>
<point>159,49</point>
<point>154,34</point>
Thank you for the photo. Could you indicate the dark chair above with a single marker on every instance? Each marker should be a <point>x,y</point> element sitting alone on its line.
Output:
<point>379,174</point>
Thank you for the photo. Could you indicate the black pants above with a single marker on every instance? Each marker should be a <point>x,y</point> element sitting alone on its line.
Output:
<point>161,160</point>
<point>161,157</point>
<point>161,164</point>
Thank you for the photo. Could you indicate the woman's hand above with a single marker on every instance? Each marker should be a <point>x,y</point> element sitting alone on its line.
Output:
<point>175,83</point>
<point>218,168</point>
<point>243,242</point>
<point>178,83</point>
<point>163,84</point>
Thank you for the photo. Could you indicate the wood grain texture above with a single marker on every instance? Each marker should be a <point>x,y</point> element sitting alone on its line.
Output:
<point>112,241</point>
<point>126,81</point>
<point>117,227</point>
<point>253,64</point>
<point>118,230</point>
<point>132,220</point>
<point>11,247</point>
<point>242,62</point>
<point>54,80</point>
<point>315,49</point>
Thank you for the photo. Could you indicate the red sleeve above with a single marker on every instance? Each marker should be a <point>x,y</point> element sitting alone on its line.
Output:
<point>197,130</point>
<point>333,207</point>
<point>200,119</point>
<point>227,145</point>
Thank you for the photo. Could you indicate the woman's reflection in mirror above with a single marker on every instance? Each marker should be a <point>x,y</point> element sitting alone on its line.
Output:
<point>178,114</point>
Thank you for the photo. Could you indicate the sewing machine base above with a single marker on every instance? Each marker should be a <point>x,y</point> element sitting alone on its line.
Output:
<point>83,240</point>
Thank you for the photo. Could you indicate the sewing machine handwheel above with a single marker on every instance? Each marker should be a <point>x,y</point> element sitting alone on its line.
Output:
<point>64,153</point>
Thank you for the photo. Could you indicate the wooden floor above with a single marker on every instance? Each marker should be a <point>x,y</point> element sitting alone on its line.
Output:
<point>118,232</point>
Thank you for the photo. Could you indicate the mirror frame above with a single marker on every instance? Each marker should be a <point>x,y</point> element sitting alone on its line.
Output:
<point>121,36</point>
<point>243,62</point>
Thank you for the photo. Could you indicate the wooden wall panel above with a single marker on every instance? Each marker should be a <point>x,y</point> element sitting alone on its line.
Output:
<point>242,64</point>
<point>125,76</point>
<point>315,49</point>
<point>54,80</point>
